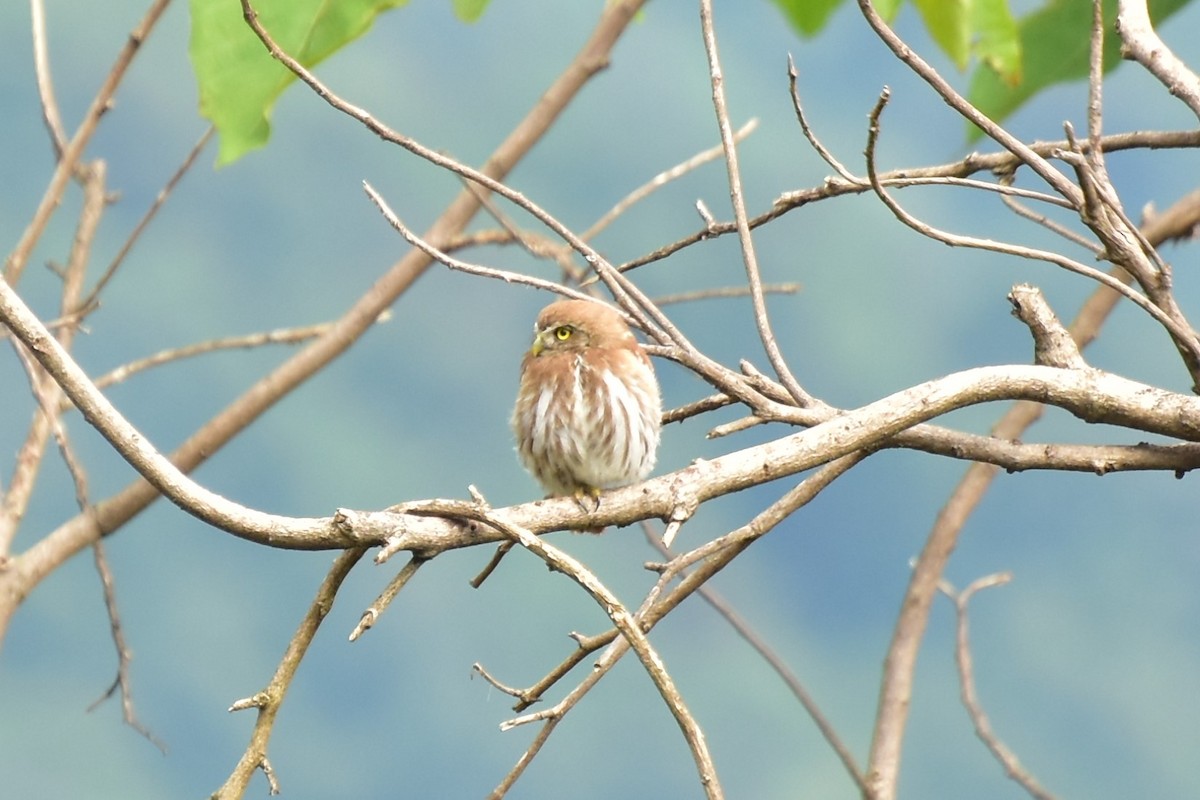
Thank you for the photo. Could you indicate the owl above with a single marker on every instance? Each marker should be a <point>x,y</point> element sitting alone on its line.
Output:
<point>588,409</point>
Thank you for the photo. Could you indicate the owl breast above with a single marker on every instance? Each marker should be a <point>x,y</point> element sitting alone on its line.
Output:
<point>588,420</point>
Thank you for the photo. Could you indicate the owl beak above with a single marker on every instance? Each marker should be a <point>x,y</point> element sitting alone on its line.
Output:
<point>538,346</point>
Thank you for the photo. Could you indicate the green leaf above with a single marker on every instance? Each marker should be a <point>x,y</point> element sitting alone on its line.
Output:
<point>961,28</point>
<point>470,10</point>
<point>1054,43</point>
<point>999,43</point>
<point>949,23</point>
<point>887,8</point>
<point>808,17</point>
<point>238,80</point>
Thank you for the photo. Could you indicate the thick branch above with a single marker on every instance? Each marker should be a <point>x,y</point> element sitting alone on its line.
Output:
<point>1091,395</point>
<point>1140,42</point>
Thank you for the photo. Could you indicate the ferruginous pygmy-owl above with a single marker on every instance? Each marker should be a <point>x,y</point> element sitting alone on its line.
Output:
<point>588,410</point>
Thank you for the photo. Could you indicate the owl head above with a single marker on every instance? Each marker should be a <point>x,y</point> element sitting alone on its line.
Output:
<point>574,325</point>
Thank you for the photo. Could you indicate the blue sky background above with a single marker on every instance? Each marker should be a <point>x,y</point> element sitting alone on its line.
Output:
<point>1087,662</point>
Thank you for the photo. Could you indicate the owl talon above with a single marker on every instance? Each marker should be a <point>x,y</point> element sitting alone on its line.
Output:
<point>581,497</point>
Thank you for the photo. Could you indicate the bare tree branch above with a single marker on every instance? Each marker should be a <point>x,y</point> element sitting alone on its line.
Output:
<point>743,628</point>
<point>277,336</point>
<point>270,700</point>
<point>1000,162</point>
<point>15,500</point>
<point>1024,153</point>
<point>46,392</point>
<point>708,560</point>
<point>749,257</point>
<point>826,155</point>
<point>160,199</point>
<point>1052,344</point>
<point>970,698</point>
<point>14,265</point>
<point>1179,330</point>
<point>41,64</point>
<point>662,179</point>
<point>1140,42</point>
<point>372,613</point>
<point>459,265</point>
<point>123,681</point>
<point>631,632</point>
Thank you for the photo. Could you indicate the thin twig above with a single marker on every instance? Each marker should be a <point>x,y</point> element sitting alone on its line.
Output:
<point>1178,330</point>
<point>123,681</point>
<point>1000,162</point>
<point>1002,189</point>
<point>15,264</point>
<point>278,336</point>
<point>749,257</point>
<point>46,393</point>
<point>508,276</point>
<point>724,292</point>
<point>1095,104</point>
<point>537,245</point>
<point>512,691</point>
<point>970,698</point>
<point>1071,236</point>
<point>662,179</point>
<point>826,155</point>
<point>735,426</point>
<point>45,84</point>
<point>631,631</point>
<point>385,598</point>
<point>695,408</point>
<point>92,299</point>
<point>775,661</point>
<point>530,753</point>
<point>502,550</point>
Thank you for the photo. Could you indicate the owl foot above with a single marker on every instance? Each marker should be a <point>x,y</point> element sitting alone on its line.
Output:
<point>588,499</point>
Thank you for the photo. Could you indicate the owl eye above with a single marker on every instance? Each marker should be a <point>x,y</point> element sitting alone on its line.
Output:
<point>563,332</point>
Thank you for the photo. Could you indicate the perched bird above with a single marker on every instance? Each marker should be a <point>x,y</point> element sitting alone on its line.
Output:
<point>588,409</point>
